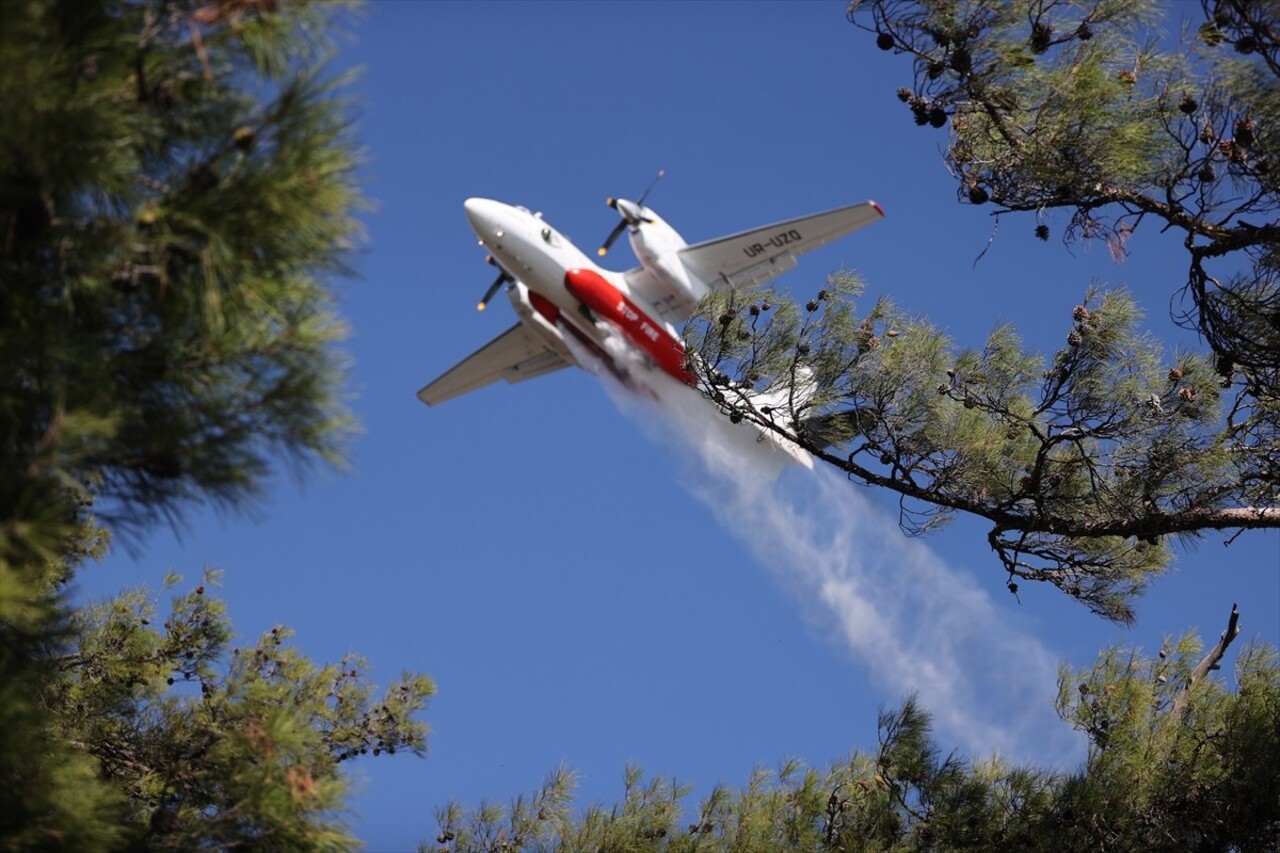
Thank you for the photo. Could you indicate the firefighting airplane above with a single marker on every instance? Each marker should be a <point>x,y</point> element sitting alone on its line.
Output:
<point>573,312</point>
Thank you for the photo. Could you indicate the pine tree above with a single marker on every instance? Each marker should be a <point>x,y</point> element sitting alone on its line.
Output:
<point>1087,108</point>
<point>1176,761</point>
<point>1087,462</point>
<point>215,746</point>
<point>177,188</point>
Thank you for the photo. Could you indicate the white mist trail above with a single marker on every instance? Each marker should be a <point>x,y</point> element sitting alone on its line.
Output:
<point>917,624</point>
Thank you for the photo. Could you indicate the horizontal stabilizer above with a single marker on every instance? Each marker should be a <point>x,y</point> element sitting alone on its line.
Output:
<point>515,355</point>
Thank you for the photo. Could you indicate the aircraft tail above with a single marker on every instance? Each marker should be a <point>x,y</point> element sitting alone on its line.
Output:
<point>778,406</point>
<point>797,453</point>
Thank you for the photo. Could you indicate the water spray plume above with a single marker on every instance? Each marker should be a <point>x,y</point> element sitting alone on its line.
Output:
<point>916,623</point>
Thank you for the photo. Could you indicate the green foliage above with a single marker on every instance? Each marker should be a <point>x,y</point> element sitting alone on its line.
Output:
<point>215,745</point>
<point>1158,776</point>
<point>1083,464</point>
<point>1173,777</point>
<point>1087,462</point>
<point>172,192</point>
<point>1090,108</point>
<point>177,186</point>
<point>51,796</point>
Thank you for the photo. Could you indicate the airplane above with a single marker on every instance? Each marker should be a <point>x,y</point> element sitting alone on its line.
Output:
<point>573,312</point>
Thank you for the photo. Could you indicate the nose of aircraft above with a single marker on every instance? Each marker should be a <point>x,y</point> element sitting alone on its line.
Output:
<point>483,215</point>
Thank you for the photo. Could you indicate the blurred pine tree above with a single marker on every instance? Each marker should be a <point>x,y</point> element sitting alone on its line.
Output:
<point>177,184</point>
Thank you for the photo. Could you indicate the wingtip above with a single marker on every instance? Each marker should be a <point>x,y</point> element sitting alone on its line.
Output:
<point>879,209</point>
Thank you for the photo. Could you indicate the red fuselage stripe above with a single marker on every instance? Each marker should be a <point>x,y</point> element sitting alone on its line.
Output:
<point>609,303</point>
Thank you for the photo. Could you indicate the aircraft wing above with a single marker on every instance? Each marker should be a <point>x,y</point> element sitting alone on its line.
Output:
<point>758,255</point>
<point>515,355</point>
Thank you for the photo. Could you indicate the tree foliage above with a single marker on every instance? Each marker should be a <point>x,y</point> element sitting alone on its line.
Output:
<point>1085,465</point>
<point>1087,462</point>
<point>222,746</point>
<point>1174,762</point>
<point>1089,108</point>
<point>177,188</point>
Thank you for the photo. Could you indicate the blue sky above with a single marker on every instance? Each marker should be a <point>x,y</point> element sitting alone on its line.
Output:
<point>582,591</point>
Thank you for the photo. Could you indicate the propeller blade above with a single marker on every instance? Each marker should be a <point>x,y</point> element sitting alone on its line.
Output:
<point>630,212</point>
<point>645,194</point>
<point>613,236</point>
<point>502,279</point>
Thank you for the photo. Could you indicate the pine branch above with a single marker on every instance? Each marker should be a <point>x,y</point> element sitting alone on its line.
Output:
<point>1207,664</point>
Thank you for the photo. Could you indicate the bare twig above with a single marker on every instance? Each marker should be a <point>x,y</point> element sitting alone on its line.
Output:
<point>1208,663</point>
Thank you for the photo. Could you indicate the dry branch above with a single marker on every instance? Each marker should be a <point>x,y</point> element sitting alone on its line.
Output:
<point>1208,663</point>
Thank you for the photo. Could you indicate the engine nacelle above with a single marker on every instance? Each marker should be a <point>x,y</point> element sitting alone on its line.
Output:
<point>662,278</point>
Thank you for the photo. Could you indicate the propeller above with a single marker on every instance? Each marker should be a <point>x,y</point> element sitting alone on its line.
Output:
<point>613,235</point>
<point>630,213</point>
<point>503,278</point>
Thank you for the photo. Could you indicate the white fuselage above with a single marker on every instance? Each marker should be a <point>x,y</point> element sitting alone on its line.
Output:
<point>573,312</point>
<point>527,247</point>
<point>559,290</point>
